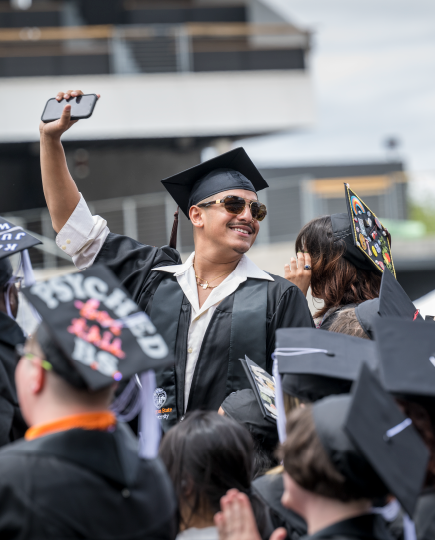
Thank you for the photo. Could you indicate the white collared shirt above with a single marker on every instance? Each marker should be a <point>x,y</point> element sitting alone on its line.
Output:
<point>201,316</point>
<point>82,237</point>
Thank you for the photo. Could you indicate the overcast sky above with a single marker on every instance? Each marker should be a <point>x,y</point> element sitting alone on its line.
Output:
<point>373,67</point>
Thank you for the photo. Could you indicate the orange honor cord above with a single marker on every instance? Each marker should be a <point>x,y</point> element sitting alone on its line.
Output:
<point>100,421</point>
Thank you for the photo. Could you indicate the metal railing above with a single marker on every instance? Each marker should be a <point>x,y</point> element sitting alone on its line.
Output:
<point>291,201</point>
<point>152,48</point>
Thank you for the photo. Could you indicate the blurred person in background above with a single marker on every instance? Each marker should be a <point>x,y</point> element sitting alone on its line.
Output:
<point>327,365</point>
<point>406,352</point>
<point>361,320</point>
<point>332,277</point>
<point>78,473</point>
<point>12,425</point>
<point>331,468</point>
<point>211,310</point>
<point>242,406</point>
<point>206,455</point>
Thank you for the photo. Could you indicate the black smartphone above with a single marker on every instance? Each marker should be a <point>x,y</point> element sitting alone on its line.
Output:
<point>81,107</point>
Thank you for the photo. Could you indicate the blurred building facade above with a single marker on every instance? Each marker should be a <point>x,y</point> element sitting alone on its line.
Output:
<point>175,77</point>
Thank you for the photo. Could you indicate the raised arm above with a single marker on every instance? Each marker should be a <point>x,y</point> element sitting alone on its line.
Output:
<point>60,190</point>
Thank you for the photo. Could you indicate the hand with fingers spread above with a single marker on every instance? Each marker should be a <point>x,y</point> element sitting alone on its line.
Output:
<point>57,128</point>
<point>236,520</point>
<point>299,271</point>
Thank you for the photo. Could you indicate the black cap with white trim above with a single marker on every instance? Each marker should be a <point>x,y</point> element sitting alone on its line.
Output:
<point>318,364</point>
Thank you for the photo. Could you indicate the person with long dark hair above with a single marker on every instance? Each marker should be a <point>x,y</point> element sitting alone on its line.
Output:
<point>333,278</point>
<point>206,455</point>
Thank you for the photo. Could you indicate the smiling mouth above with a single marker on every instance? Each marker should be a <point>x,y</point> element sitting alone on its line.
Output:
<point>243,230</point>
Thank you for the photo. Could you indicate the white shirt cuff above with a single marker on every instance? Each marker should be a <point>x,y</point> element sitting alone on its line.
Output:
<point>83,235</point>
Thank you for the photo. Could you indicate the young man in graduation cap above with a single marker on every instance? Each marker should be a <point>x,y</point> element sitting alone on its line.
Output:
<point>13,239</point>
<point>340,455</point>
<point>211,310</point>
<point>79,473</point>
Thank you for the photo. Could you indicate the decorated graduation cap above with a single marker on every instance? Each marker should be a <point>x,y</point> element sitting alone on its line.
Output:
<point>93,335</point>
<point>13,239</point>
<point>371,442</point>
<point>392,302</point>
<point>232,170</point>
<point>407,358</point>
<point>367,242</point>
<point>263,386</point>
<point>310,365</point>
<point>242,406</point>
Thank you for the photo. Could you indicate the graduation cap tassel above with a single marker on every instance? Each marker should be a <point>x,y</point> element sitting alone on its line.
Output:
<point>173,238</point>
<point>29,276</point>
<point>279,398</point>
<point>10,284</point>
<point>409,532</point>
<point>150,430</point>
<point>129,403</point>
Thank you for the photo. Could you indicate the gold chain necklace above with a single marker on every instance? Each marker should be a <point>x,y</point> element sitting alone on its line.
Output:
<point>207,285</point>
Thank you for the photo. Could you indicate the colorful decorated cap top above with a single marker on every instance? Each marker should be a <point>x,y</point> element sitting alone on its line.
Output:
<point>367,240</point>
<point>92,332</point>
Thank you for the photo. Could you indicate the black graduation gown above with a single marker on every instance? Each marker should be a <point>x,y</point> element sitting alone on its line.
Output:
<point>424,515</point>
<point>84,484</point>
<point>12,425</point>
<point>270,489</point>
<point>364,527</point>
<point>217,373</point>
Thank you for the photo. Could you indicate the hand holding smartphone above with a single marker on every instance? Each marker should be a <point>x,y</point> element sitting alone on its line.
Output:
<point>82,106</point>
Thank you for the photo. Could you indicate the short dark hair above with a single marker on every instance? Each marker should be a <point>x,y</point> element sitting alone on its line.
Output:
<point>307,462</point>
<point>207,454</point>
<point>346,322</point>
<point>333,278</point>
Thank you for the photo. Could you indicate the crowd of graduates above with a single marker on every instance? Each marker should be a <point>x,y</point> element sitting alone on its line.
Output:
<point>157,399</point>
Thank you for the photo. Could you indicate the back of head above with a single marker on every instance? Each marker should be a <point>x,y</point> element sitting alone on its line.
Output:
<point>307,462</point>
<point>333,278</point>
<point>242,406</point>
<point>346,322</point>
<point>206,455</point>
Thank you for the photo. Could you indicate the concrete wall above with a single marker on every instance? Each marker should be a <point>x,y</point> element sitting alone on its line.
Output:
<point>165,105</point>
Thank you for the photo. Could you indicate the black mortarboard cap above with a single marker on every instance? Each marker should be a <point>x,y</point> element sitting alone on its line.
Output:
<point>232,170</point>
<point>13,239</point>
<point>92,332</point>
<point>407,357</point>
<point>371,442</point>
<point>367,314</point>
<point>243,407</point>
<point>330,368</point>
<point>392,302</point>
<point>366,240</point>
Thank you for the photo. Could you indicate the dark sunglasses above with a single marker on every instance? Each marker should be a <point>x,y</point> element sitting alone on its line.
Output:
<point>235,205</point>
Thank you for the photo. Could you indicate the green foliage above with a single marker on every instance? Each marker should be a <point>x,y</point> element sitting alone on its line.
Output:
<point>425,213</point>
